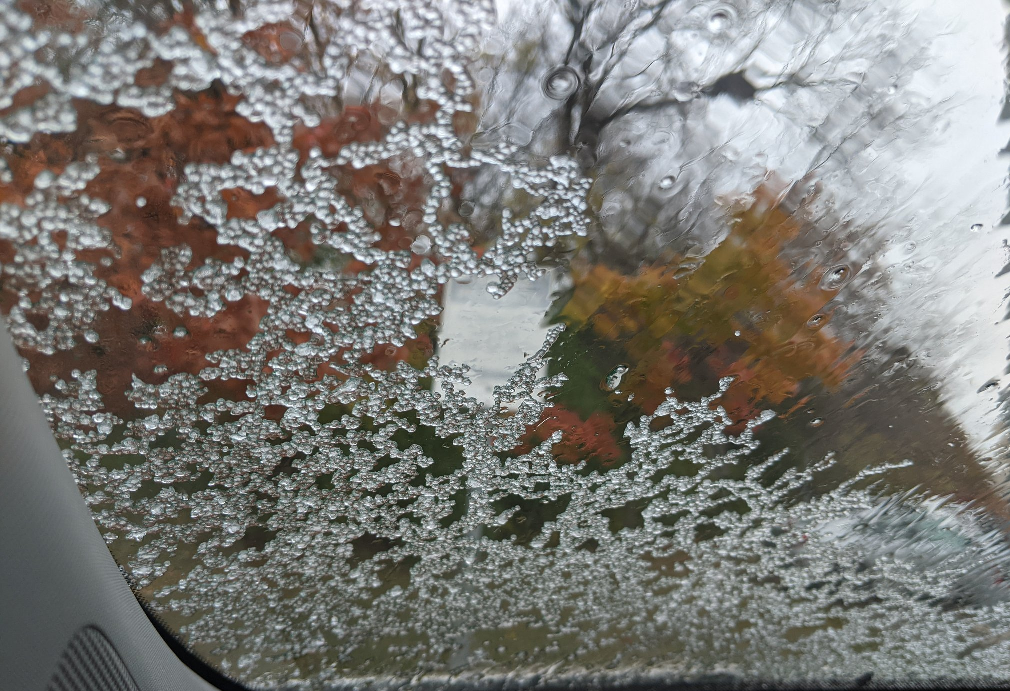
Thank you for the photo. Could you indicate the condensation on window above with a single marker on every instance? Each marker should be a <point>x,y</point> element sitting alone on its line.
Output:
<point>606,340</point>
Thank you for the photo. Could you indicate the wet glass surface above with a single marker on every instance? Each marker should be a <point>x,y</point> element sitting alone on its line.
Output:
<point>615,340</point>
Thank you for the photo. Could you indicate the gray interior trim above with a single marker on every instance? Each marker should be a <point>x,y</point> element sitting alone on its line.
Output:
<point>56,574</point>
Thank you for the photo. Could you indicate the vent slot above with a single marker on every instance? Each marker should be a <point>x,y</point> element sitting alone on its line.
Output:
<point>90,663</point>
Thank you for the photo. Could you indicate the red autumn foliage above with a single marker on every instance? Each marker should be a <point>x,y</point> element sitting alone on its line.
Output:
<point>592,438</point>
<point>144,157</point>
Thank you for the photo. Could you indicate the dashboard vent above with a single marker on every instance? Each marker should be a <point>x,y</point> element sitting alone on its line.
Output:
<point>90,663</point>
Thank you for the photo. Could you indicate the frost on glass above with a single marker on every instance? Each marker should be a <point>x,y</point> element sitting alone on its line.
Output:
<point>397,341</point>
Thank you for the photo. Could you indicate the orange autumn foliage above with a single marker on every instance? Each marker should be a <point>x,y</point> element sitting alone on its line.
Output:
<point>741,313</point>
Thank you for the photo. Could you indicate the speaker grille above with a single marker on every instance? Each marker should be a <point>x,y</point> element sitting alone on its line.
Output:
<point>90,663</point>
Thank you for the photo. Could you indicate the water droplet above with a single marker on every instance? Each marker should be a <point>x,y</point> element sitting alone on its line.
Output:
<point>720,20</point>
<point>160,369</point>
<point>816,321</point>
<point>290,41</point>
<point>180,332</point>
<point>44,179</point>
<point>977,227</point>
<point>737,334</point>
<point>816,422</point>
<point>667,182</point>
<point>359,120</point>
<point>421,245</point>
<point>120,301</point>
<point>517,134</point>
<point>466,209</point>
<point>613,379</point>
<point>835,277</point>
<point>141,202</point>
<point>686,91</point>
<point>560,83</point>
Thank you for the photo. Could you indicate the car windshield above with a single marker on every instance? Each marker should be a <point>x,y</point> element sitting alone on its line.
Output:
<point>508,342</point>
